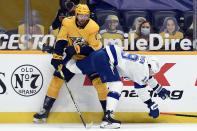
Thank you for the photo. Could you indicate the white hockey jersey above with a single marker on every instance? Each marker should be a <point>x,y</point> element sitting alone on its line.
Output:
<point>134,67</point>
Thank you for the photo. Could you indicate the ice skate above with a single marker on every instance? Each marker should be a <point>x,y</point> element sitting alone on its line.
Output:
<point>109,122</point>
<point>41,117</point>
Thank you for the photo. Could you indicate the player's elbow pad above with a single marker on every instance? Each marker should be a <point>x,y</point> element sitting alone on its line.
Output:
<point>59,47</point>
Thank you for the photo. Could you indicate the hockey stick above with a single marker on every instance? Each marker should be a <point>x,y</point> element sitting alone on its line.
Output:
<point>174,114</point>
<point>76,106</point>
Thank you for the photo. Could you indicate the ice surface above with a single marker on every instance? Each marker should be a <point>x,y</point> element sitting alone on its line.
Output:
<point>74,127</point>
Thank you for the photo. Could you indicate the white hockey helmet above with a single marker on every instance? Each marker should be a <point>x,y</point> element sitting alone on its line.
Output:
<point>154,64</point>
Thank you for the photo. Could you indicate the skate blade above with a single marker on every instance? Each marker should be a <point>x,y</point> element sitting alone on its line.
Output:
<point>106,125</point>
<point>39,121</point>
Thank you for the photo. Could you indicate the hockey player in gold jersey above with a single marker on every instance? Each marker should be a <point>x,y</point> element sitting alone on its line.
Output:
<point>79,37</point>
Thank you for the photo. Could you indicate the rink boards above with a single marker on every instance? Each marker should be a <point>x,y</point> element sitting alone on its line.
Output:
<point>25,77</point>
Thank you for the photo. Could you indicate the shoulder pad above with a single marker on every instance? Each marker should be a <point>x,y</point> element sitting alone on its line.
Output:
<point>68,20</point>
<point>92,27</point>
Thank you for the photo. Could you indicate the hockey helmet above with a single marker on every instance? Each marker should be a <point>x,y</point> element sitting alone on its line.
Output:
<point>82,9</point>
<point>154,64</point>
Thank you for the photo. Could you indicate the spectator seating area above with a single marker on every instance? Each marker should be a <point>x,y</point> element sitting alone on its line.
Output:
<point>156,18</point>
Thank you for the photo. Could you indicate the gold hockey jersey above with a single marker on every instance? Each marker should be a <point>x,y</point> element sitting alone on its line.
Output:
<point>74,35</point>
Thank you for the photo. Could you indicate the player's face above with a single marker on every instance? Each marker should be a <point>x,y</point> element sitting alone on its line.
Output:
<point>170,26</point>
<point>112,24</point>
<point>82,19</point>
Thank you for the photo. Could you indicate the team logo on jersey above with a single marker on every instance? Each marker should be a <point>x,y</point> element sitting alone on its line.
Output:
<point>78,40</point>
<point>27,80</point>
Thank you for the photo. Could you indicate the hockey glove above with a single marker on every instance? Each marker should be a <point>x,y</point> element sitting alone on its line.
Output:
<point>57,61</point>
<point>78,49</point>
<point>161,92</point>
<point>59,47</point>
<point>72,50</point>
<point>154,111</point>
<point>86,50</point>
<point>164,93</point>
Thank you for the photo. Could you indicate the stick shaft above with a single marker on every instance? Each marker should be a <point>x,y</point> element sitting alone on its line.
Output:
<point>76,106</point>
<point>175,114</point>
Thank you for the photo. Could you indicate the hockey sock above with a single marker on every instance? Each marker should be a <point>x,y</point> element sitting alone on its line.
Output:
<point>113,96</point>
<point>55,85</point>
<point>112,100</point>
<point>101,88</point>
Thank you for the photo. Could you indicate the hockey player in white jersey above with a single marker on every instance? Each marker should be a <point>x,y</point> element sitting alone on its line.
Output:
<point>141,69</point>
<point>111,63</point>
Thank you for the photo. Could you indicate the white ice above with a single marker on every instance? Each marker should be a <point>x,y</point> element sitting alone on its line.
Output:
<point>69,127</point>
